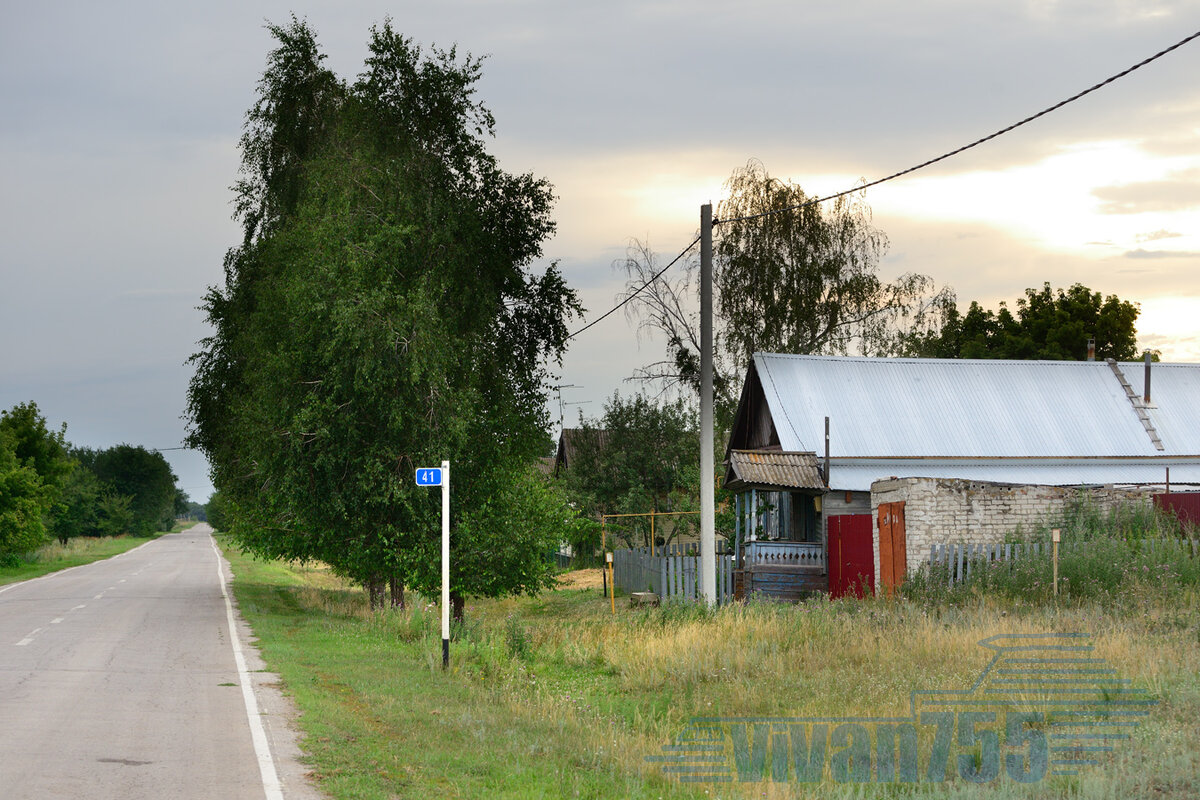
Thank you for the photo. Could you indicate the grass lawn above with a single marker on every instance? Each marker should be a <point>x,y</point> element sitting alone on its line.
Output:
<point>78,551</point>
<point>554,696</point>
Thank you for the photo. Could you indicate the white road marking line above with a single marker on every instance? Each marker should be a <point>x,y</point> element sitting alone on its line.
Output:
<point>98,596</point>
<point>81,605</point>
<point>121,581</point>
<point>266,765</point>
<point>28,638</point>
<point>56,620</point>
<point>50,575</point>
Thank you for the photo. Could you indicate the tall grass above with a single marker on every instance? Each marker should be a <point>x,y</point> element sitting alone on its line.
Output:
<point>556,696</point>
<point>1118,555</point>
<point>54,556</point>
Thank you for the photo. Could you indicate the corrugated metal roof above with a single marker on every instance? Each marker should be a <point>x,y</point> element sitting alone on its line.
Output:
<point>971,408</point>
<point>757,468</point>
<point>1175,402</point>
<point>859,474</point>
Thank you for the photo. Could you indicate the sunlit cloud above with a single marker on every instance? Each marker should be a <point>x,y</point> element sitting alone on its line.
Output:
<point>1170,324</point>
<point>1155,236</point>
<point>1059,203</point>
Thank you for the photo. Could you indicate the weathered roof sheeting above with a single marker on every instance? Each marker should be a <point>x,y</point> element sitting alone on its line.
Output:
<point>857,475</point>
<point>907,407</point>
<point>1060,423</point>
<point>790,470</point>
<point>1174,402</point>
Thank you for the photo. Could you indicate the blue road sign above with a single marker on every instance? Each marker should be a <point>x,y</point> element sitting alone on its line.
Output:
<point>429,476</point>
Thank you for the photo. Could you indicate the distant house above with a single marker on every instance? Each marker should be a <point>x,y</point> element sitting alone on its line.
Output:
<point>569,442</point>
<point>923,451</point>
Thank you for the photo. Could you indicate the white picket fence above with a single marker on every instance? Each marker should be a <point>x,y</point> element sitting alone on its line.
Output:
<point>962,557</point>
<point>675,573</point>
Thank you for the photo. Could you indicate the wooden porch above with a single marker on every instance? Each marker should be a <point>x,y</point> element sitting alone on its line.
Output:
<point>782,570</point>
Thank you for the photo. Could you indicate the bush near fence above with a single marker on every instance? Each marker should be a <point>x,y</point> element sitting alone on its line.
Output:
<point>1105,551</point>
<point>1095,569</point>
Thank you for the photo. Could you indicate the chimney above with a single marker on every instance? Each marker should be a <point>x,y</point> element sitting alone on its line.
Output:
<point>826,475</point>
<point>1146,395</point>
<point>1091,349</point>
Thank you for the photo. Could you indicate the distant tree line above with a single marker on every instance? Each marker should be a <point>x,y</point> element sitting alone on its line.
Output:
<point>1049,325</point>
<point>48,488</point>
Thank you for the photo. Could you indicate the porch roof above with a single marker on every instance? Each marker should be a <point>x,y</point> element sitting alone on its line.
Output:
<point>793,470</point>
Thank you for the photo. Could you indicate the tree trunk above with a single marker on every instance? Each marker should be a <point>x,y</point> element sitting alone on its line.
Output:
<point>375,591</point>
<point>458,604</point>
<point>396,587</point>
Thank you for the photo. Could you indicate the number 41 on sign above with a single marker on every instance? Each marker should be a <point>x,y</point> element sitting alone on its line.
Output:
<point>429,476</point>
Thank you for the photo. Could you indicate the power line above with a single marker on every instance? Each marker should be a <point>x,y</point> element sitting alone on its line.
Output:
<point>895,175</point>
<point>975,143</point>
<point>638,291</point>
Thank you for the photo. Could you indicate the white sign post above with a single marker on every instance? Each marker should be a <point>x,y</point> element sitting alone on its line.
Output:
<point>430,476</point>
<point>1055,537</point>
<point>445,564</point>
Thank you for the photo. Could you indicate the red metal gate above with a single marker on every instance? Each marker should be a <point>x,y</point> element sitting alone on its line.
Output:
<point>851,555</point>
<point>1184,505</point>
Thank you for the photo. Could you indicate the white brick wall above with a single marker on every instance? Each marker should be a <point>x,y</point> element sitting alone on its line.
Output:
<point>938,510</point>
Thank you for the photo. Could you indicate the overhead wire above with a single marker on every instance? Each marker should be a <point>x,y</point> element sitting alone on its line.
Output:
<point>975,143</point>
<point>894,175</point>
<point>637,291</point>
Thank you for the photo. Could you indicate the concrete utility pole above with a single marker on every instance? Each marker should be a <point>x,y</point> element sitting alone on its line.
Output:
<point>708,537</point>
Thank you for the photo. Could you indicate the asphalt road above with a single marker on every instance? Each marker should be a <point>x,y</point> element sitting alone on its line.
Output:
<point>121,679</point>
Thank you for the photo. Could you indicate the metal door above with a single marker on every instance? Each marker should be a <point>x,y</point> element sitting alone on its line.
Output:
<point>893,549</point>
<point>851,556</point>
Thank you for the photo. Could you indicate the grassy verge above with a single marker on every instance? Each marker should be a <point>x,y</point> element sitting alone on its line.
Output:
<point>76,552</point>
<point>555,697</point>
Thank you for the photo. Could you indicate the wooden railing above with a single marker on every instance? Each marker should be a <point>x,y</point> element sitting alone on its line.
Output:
<point>785,554</point>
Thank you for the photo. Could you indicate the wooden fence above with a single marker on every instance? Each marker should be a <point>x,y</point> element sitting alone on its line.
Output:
<point>675,573</point>
<point>961,558</point>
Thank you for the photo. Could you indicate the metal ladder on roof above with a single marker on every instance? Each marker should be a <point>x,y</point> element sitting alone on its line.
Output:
<point>1138,407</point>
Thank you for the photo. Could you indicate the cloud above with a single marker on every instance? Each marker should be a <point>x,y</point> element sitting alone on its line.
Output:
<point>1179,192</point>
<point>1155,236</point>
<point>1142,253</point>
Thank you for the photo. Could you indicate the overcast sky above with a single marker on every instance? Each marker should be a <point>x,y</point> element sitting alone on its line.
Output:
<point>120,122</point>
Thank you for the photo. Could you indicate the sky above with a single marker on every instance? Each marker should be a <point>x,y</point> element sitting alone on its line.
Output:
<point>118,145</point>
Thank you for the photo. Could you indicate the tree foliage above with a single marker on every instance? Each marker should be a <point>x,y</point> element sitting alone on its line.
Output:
<point>380,315</point>
<point>95,506</point>
<point>217,511</point>
<point>79,513</point>
<point>22,503</point>
<point>1050,324</point>
<point>642,455</point>
<point>146,479</point>
<point>34,466</point>
<point>49,487</point>
<point>787,278</point>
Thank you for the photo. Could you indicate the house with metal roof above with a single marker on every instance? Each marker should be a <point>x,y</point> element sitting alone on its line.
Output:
<point>814,434</point>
